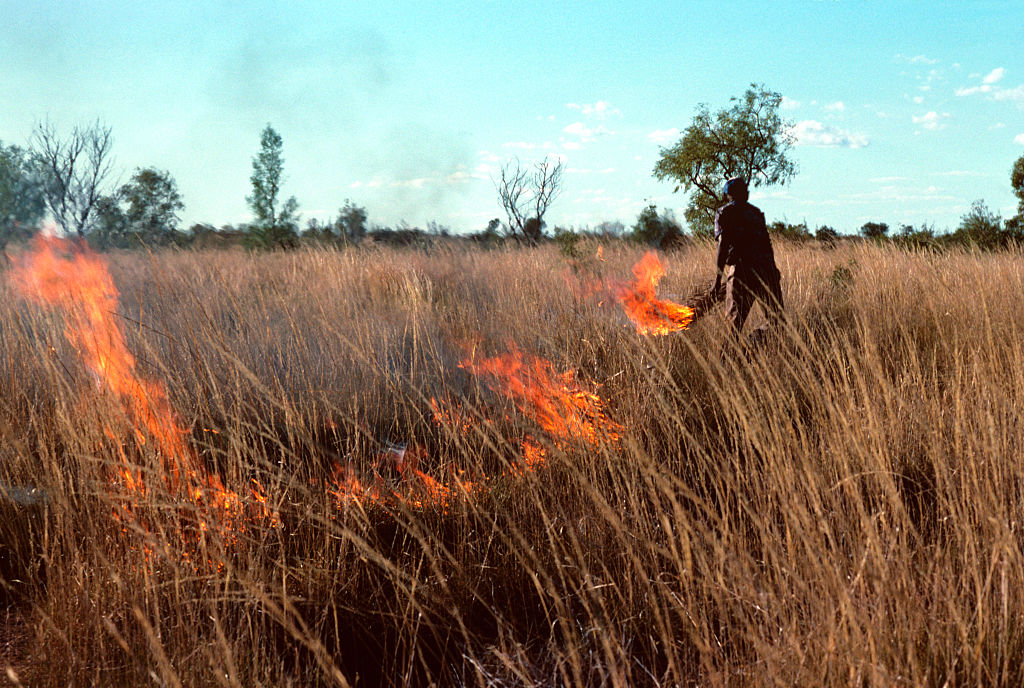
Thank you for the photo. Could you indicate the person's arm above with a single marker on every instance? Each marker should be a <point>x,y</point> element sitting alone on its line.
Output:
<point>723,249</point>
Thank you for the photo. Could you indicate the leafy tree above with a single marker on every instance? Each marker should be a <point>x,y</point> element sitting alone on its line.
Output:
<point>143,212</point>
<point>1015,225</point>
<point>1017,183</point>
<point>153,206</point>
<point>526,194</point>
<point>274,223</point>
<point>111,228</point>
<point>980,227</point>
<point>826,234</point>
<point>658,230</point>
<point>784,230</point>
<point>874,230</point>
<point>749,139</point>
<point>75,172</point>
<point>916,237</point>
<point>22,204</point>
<point>351,222</point>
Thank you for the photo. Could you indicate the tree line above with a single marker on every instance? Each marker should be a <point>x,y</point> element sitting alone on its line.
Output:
<point>71,179</point>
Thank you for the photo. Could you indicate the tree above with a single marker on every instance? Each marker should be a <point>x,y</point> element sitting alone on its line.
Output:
<point>874,230</point>
<point>1017,183</point>
<point>22,204</point>
<point>274,223</point>
<point>826,234</point>
<point>980,227</point>
<point>1015,225</point>
<point>143,212</point>
<point>153,206</point>
<point>783,230</point>
<point>351,222</point>
<point>110,227</point>
<point>75,172</point>
<point>659,231</point>
<point>749,140</point>
<point>916,237</point>
<point>526,194</point>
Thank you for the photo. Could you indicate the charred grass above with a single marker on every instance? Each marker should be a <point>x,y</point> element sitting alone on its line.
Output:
<point>840,504</point>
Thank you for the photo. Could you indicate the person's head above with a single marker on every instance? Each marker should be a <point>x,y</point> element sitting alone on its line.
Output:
<point>736,189</point>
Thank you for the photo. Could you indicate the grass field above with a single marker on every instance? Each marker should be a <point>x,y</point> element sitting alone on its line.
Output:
<point>841,505</point>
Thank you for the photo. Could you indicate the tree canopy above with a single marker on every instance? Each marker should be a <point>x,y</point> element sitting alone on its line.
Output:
<point>22,204</point>
<point>1017,183</point>
<point>274,223</point>
<point>749,140</point>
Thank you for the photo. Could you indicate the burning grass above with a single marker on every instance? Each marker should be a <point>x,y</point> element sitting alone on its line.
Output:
<point>286,468</point>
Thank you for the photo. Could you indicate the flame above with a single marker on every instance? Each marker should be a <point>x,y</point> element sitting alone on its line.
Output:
<point>71,279</point>
<point>648,313</point>
<point>553,400</point>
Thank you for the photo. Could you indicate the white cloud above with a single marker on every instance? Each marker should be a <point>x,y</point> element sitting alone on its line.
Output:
<point>585,132</point>
<point>571,145</point>
<point>458,177</point>
<point>837,106</point>
<point>984,88</point>
<point>484,170</point>
<point>1019,138</point>
<point>990,85</point>
<point>917,59</point>
<point>528,145</point>
<point>578,129</point>
<point>994,76</point>
<point>932,121</point>
<point>662,136</point>
<point>417,183</point>
<point>998,125</point>
<point>918,99</point>
<point>789,103</point>
<point>600,109</point>
<point>810,132</point>
<point>1014,94</point>
<point>959,173</point>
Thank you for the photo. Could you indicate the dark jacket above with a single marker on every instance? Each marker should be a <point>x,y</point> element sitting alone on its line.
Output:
<point>743,238</point>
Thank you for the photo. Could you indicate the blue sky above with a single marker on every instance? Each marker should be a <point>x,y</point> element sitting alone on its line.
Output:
<point>905,112</point>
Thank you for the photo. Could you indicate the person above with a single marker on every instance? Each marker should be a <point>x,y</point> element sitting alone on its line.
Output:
<point>745,258</point>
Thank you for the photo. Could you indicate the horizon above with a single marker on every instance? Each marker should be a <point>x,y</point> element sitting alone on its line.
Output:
<point>409,112</point>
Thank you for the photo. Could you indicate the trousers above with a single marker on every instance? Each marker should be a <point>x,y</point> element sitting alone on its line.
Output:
<point>745,286</point>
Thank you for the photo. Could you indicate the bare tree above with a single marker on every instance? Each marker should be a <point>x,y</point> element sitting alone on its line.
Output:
<point>75,172</point>
<point>526,193</point>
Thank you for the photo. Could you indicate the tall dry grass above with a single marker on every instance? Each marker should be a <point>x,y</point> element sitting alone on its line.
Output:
<point>842,505</point>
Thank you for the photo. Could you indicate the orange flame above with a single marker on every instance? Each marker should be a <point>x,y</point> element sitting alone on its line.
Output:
<point>553,400</point>
<point>73,280</point>
<point>648,313</point>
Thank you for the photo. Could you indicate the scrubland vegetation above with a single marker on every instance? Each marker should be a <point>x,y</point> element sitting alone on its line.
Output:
<point>839,505</point>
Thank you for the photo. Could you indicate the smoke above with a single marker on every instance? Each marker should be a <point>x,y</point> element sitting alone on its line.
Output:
<point>345,115</point>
